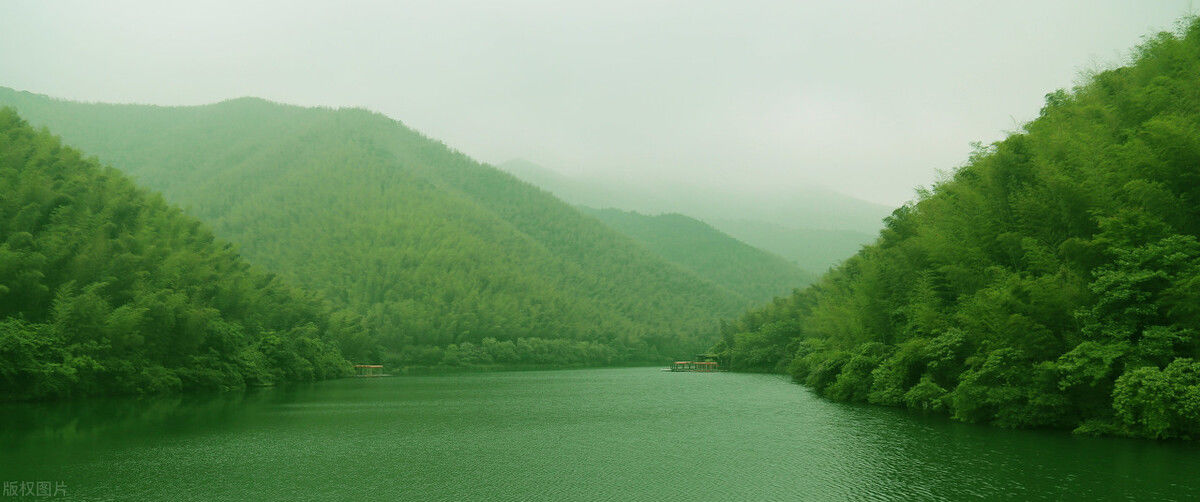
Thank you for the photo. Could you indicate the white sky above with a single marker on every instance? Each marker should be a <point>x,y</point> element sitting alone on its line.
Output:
<point>868,98</point>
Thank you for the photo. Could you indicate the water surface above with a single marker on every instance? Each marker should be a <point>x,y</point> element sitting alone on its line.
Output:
<point>598,434</point>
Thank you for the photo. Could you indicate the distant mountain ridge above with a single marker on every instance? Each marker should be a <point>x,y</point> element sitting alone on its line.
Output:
<point>815,250</point>
<point>700,248</point>
<point>813,228</point>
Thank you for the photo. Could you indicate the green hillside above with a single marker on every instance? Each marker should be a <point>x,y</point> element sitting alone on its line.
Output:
<point>1053,281</point>
<point>106,289</point>
<point>439,254</point>
<point>750,272</point>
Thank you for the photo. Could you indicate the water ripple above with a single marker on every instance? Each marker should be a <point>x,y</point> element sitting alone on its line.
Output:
<point>612,434</point>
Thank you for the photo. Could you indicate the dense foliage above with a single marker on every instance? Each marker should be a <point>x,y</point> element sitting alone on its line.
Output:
<point>425,249</point>
<point>104,288</point>
<point>1052,281</point>
<point>749,272</point>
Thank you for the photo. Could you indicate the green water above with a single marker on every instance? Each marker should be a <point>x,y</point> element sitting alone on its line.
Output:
<point>603,434</point>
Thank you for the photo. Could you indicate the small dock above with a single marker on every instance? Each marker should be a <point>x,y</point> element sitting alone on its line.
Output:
<point>369,371</point>
<point>700,366</point>
<point>703,363</point>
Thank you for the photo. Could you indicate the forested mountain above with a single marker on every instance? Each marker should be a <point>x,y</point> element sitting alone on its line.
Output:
<point>1052,281</point>
<point>811,227</point>
<point>747,271</point>
<point>105,288</point>
<point>446,260</point>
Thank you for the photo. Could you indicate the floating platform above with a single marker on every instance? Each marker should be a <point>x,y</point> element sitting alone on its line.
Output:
<point>369,371</point>
<point>694,366</point>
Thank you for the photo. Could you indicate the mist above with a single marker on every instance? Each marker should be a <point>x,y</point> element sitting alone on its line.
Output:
<point>869,99</point>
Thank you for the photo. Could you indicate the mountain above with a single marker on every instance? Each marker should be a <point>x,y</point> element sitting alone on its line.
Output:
<point>1053,281</point>
<point>106,289</point>
<point>812,227</point>
<point>447,261</point>
<point>809,248</point>
<point>748,271</point>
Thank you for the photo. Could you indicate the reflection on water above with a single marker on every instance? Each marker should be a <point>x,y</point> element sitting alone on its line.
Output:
<point>114,421</point>
<point>609,434</point>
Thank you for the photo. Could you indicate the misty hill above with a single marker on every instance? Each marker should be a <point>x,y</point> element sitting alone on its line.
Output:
<point>439,254</point>
<point>700,248</point>
<point>814,228</point>
<point>105,288</point>
<point>1053,281</point>
<point>810,248</point>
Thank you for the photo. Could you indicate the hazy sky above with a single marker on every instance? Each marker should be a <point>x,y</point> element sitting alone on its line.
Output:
<point>868,98</point>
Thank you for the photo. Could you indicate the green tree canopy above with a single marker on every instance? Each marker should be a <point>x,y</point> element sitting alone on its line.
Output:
<point>1051,281</point>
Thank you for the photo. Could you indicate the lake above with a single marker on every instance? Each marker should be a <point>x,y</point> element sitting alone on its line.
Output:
<point>594,434</point>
